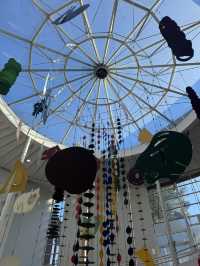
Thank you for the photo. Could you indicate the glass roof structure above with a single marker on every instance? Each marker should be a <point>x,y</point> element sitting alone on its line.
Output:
<point>108,62</point>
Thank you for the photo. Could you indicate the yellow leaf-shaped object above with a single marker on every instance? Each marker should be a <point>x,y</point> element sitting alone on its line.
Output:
<point>21,177</point>
<point>16,181</point>
<point>101,263</point>
<point>101,253</point>
<point>145,136</point>
<point>144,255</point>
<point>101,240</point>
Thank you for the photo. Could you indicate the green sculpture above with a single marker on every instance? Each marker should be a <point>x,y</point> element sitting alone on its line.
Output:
<point>9,75</point>
<point>167,156</point>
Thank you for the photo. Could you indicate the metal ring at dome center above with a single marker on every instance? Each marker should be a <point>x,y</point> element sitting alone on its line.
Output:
<point>101,71</point>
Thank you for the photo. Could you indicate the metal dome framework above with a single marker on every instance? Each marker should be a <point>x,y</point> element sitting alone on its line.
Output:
<point>102,75</point>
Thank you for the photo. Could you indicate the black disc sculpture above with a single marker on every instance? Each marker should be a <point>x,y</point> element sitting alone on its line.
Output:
<point>72,169</point>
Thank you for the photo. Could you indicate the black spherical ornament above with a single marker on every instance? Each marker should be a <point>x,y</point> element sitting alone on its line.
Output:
<point>130,251</point>
<point>72,169</point>
<point>131,262</point>
<point>128,229</point>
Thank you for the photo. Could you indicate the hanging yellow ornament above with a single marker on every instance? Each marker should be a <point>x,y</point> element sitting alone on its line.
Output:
<point>101,240</point>
<point>101,263</point>
<point>101,254</point>
<point>144,255</point>
<point>145,136</point>
<point>16,181</point>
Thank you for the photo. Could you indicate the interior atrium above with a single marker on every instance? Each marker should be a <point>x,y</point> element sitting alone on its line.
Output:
<point>99,132</point>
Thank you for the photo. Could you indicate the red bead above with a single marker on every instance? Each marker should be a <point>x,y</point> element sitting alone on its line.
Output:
<point>119,258</point>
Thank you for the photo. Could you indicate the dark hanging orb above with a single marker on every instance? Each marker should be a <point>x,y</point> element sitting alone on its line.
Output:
<point>76,247</point>
<point>108,212</point>
<point>89,195</point>
<point>68,169</point>
<point>105,243</point>
<point>58,195</point>
<point>130,251</point>
<point>126,201</point>
<point>135,177</point>
<point>105,233</point>
<point>128,229</point>
<point>87,225</point>
<point>129,240</point>
<point>86,236</point>
<point>112,237</point>
<point>74,259</point>
<point>108,251</point>
<point>91,146</point>
<point>131,262</point>
<point>118,119</point>
<point>88,248</point>
<point>87,214</point>
<point>125,193</point>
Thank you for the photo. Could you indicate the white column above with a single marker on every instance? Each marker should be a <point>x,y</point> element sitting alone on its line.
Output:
<point>167,224</point>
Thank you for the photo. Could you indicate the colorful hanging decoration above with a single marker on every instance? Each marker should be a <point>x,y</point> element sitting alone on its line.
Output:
<point>176,40</point>
<point>47,154</point>
<point>145,257</point>
<point>27,201</point>
<point>9,75</point>
<point>70,14</point>
<point>78,166</point>
<point>145,136</point>
<point>195,100</point>
<point>167,156</point>
<point>16,181</point>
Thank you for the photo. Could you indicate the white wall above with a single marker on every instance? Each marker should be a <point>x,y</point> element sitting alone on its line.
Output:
<point>27,236</point>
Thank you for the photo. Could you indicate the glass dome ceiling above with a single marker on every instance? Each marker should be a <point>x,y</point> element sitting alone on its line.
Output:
<point>108,62</point>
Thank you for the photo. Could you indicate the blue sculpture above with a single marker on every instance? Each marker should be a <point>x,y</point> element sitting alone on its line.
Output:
<point>70,14</point>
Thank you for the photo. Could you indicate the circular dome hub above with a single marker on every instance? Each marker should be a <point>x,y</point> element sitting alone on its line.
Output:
<point>101,72</point>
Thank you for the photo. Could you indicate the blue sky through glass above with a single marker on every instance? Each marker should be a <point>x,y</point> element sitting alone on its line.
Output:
<point>144,87</point>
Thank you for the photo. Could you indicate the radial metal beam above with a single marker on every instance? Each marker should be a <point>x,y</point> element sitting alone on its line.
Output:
<point>123,104</point>
<point>96,103</point>
<point>140,24</point>
<point>77,45</point>
<point>149,84</point>
<point>89,30</point>
<point>38,45</point>
<point>52,88</point>
<point>71,96</point>
<point>111,27</point>
<point>152,108</point>
<point>79,111</point>
<point>57,70</point>
<point>109,108</point>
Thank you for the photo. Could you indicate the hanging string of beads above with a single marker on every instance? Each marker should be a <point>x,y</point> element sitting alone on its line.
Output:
<point>67,206</point>
<point>126,201</point>
<point>53,232</point>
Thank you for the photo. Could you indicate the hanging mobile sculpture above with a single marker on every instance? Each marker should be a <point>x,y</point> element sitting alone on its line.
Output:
<point>70,14</point>
<point>78,166</point>
<point>167,156</point>
<point>9,75</point>
<point>176,40</point>
<point>195,100</point>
